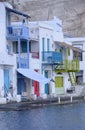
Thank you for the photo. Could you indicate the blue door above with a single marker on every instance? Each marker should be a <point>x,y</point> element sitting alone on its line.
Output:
<point>6,81</point>
<point>21,86</point>
<point>46,85</point>
<point>43,48</point>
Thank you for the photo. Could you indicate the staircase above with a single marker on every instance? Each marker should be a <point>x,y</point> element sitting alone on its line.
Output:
<point>72,78</point>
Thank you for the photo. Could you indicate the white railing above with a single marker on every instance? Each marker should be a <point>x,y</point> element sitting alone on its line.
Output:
<point>34,33</point>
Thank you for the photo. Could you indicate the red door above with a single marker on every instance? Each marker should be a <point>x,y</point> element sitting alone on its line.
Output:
<point>36,87</point>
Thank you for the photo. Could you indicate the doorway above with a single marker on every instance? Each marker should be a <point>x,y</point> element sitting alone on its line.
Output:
<point>46,85</point>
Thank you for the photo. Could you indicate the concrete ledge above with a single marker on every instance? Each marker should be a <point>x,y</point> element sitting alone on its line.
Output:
<point>2,100</point>
<point>29,104</point>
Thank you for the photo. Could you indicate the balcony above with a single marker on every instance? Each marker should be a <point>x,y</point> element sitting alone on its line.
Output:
<point>22,63</point>
<point>13,32</point>
<point>49,57</point>
<point>69,66</point>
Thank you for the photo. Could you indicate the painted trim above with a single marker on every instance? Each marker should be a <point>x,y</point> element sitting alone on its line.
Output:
<point>48,44</point>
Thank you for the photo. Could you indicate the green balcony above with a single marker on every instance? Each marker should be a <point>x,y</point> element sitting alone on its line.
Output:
<point>68,66</point>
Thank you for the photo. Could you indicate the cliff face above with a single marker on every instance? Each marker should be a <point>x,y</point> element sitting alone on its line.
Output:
<point>71,12</point>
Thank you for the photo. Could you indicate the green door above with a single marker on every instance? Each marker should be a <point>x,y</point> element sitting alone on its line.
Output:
<point>59,85</point>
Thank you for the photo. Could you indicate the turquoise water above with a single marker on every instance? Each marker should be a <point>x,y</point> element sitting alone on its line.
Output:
<point>67,117</point>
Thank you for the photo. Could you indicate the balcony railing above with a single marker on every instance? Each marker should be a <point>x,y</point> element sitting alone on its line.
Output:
<point>22,62</point>
<point>69,66</point>
<point>51,57</point>
<point>34,33</point>
<point>17,31</point>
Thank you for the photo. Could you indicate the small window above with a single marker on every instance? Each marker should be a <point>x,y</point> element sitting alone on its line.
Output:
<point>15,47</point>
<point>77,56</point>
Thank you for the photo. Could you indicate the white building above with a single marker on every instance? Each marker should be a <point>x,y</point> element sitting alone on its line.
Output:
<point>80,43</point>
<point>52,56</point>
<point>7,60</point>
<point>37,46</point>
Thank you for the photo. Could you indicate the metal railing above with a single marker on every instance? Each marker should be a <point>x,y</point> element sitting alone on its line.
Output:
<point>69,66</point>
<point>22,62</point>
<point>17,31</point>
<point>72,65</point>
<point>52,57</point>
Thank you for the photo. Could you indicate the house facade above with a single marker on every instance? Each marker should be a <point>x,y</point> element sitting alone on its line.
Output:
<point>16,77</point>
<point>8,79</point>
<point>52,56</point>
<point>35,59</point>
<point>79,42</point>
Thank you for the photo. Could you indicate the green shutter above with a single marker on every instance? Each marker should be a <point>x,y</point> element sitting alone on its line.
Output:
<point>68,51</point>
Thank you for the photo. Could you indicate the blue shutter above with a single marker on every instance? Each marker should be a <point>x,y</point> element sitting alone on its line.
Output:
<point>43,42</point>
<point>24,47</point>
<point>6,81</point>
<point>48,44</point>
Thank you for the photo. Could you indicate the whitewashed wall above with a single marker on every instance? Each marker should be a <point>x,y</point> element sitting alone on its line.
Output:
<point>5,59</point>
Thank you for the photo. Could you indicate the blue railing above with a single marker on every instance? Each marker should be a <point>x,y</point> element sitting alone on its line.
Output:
<point>16,31</point>
<point>22,62</point>
<point>52,57</point>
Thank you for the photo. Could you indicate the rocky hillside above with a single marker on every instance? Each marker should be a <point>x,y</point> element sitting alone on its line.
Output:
<point>71,12</point>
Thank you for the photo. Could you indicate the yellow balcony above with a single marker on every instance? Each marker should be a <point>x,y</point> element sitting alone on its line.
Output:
<point>68,66</point>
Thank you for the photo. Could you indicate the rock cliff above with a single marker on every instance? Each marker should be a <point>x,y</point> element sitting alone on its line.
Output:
<point>71,12</point>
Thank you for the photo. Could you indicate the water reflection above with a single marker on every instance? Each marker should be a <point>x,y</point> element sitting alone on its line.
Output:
<point>68,117</point>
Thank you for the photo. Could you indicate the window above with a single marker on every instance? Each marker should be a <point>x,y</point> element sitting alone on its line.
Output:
<point>15,47</point>
<point>24,47</point>
<point>77,56</point>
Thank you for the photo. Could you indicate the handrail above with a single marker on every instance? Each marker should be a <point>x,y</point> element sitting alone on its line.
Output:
<point>51,56</point>
<point>16,30</point>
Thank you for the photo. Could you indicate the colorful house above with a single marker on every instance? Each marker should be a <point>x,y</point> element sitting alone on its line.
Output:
<point>35,60</point>
<point>18,40</point>
<point>79,42</point>
<point>52,56</point>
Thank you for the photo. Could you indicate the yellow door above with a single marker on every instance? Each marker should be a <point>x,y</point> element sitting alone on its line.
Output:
<point>59,85</point>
